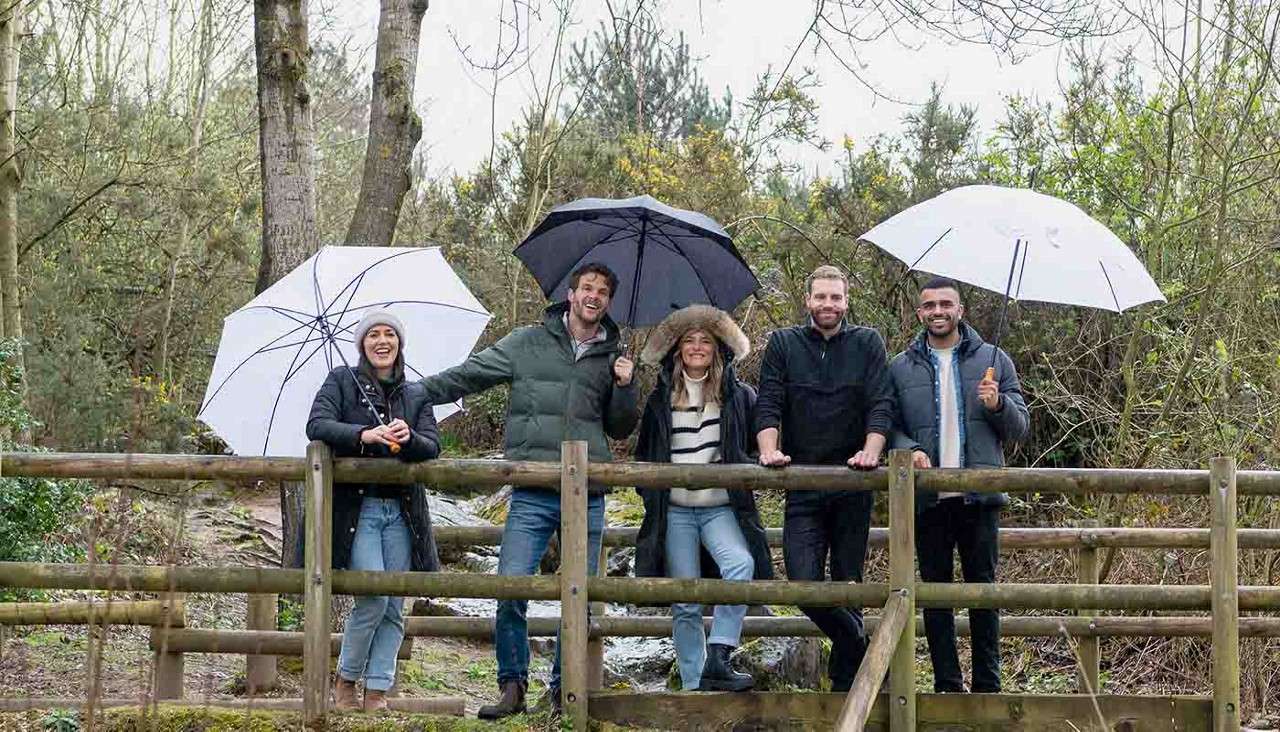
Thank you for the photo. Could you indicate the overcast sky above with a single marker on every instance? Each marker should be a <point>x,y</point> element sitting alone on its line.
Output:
<point>735,40</point>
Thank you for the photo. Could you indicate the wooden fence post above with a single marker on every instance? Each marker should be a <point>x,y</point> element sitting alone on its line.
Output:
<point>1088,677</point>
<point>902,576</point>
<point>168,672</point>
<point>169,665</point>
<point>317,562</point>
<point>573,582</point>
<point>1224,595</point>
<point>261,672</point>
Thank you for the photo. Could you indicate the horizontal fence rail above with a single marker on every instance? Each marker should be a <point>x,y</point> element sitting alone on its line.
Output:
<point>490,473</point>
<point>627,590</point>
<point>1010,538</point>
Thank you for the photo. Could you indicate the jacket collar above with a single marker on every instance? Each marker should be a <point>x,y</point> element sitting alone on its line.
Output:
<point>970,342</point>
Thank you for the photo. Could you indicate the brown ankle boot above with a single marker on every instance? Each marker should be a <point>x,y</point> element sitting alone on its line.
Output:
<point>510,701</point>
<point>344,695</point>
<point>374,700</point>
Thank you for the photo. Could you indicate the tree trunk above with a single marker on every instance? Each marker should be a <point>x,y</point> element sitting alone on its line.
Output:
<point>287,159</point>
<point>286,138</point>
<point>394,126</point>
<point>10,178</point>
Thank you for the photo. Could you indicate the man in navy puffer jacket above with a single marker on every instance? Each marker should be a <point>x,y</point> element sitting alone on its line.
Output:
<point>952,415</point>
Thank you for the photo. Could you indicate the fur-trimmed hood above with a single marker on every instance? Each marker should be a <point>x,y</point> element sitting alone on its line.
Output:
<point>715,321</point>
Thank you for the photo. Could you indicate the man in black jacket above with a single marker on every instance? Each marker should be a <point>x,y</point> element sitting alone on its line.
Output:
<point>825,399</point>
<point>953,415</point>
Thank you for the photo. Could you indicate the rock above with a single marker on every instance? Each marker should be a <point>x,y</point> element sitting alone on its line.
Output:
<point>644,663</point>
<point>783,663</point>
<point>492,508</point>
<point>621,561</point>
<point>449,511</point>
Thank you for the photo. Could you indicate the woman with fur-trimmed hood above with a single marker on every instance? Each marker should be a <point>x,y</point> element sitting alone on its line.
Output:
<point>700,413</point>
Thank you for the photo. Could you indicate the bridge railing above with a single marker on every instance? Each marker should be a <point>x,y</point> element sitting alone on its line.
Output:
<point>893,642</point>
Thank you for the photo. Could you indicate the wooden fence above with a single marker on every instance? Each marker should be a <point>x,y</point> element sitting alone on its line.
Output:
<point>892,648</point>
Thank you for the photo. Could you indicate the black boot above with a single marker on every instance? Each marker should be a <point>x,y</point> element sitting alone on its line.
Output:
<point>718,674</point>
<point>510,701</point>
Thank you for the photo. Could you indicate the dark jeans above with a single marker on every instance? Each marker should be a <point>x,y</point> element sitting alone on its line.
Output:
<point>974,531</point>
<point>835,522</point>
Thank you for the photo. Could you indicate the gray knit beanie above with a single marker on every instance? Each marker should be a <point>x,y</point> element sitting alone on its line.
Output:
<point>376,317</point>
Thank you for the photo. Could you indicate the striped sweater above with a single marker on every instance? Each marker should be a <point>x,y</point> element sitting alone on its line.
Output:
<point>695,438</point>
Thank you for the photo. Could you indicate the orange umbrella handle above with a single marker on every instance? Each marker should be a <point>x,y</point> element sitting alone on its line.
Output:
<point>395,448</point>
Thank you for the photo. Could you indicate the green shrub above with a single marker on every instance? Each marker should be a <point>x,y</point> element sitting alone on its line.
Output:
<point>34,512</point>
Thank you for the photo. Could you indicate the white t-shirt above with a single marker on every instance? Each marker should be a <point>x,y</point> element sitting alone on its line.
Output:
<point>948,413</point>
<point>695,438</point>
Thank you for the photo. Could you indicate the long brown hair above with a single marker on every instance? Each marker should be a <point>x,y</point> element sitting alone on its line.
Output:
<point>715,374</point>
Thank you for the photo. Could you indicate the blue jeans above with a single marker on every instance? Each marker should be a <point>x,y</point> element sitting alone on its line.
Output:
<point>533,516</point>
<point>375,629</point>
<point>716,528</point>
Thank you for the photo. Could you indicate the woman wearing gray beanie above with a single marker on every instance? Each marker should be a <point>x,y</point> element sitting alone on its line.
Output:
<point>371,411</point>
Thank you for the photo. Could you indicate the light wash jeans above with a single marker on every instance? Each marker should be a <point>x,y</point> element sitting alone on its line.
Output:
<point>375,629</point>
<point>717,529</point>
<point>533,516</point>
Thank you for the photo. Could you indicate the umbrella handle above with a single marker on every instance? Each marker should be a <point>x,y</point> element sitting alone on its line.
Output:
<point>395,446</point>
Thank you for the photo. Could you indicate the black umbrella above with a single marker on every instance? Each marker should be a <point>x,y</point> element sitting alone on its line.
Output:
<point>665,257</point>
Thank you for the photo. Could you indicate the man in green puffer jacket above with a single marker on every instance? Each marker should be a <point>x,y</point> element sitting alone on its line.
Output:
<point>568,381</point>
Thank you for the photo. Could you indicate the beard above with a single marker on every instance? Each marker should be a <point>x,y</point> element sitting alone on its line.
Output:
<point>943,328</point>
<point>826,318</point>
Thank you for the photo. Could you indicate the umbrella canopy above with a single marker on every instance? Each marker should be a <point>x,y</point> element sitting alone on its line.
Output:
<point>277,350</point>
<point>665,257</point>
<point>1017,241</point>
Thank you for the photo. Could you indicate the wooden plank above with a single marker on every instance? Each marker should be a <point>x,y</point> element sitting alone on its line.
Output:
<point>1224,580</point>
<point>96,612</point>
<point>261,672</point>
<point>902,577</point>
<point>317,564</point>
<point>884,644</point>
<point>980,712</point>
<point>1088,676</point>
<point>573,582</point>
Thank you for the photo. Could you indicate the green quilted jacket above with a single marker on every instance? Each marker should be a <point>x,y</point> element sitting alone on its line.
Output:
<point>554,397</point>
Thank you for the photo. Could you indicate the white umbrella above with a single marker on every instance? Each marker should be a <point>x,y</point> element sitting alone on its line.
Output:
<point>277,350</point>
<point>1015,241</point>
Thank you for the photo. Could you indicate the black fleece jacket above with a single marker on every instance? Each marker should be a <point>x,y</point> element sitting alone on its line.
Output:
<point>825,394</point>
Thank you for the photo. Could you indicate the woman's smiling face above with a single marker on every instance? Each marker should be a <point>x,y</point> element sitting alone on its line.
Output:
<point>381,346</point>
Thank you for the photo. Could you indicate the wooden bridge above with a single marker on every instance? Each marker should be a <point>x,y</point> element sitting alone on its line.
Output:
<point>900,707</point>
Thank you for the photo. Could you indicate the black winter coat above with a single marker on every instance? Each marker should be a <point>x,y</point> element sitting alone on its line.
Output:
<point>338,416</point>
<point>736,439</point>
